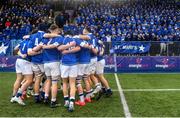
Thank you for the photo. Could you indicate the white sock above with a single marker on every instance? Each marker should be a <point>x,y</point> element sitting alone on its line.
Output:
<point>88,95</point>
<point>36,94</point>
<point>46,95</point>
<point>19,91</point>
<point>72,99</point>
<point>81,96</point>
<point>53,99</point>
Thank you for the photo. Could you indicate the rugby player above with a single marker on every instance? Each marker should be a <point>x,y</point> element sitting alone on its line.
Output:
<point>69,71</point>
<point>37,60</point>
<point>100,70</point>
<point>87,35</point>
<point>23,72</point>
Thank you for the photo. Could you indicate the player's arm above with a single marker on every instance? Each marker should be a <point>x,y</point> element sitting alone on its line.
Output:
<point>101,52</point>
<point>51,46</point>
<point>76,49</point>
<point>94,50</point>
<point>50,35</point>
<point>22,55</point>
<point>38,47</point>
<point>26,37</point>
<point>84,37</point>
<point>64,47</point>
<point>16,49</point>
<point>31,52</point>
<point>87,46</point>
<point>82,44</point>
<point>33,49</point>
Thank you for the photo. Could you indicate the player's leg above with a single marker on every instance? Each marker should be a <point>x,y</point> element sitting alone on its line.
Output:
<point>54,90</point>
<point>19,77</point>
<point>65,92</point>
<point>88,88</point>
<point>28,77</point>
<point>42,91</point>
<point>55,73</point>
<point>30,91</point>
<point>47,84</point>
<point>96,83</point>
<point>64,76</point>
<point>38,78</point>
<point>80,102</point>
<point>72,83</point>
<point>28,81</point>
<point>90,81</point>
<point>60,83</point>
<point>47,88</point>
<point>93,65</point>
<point>106,88</point>
<point>17,84</point>
<point>25,85</point>
<point>87,84</point>
<point>100,75</point>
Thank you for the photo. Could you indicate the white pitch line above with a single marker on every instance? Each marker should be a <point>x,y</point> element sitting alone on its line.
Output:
<point>146,90</point>
<point>123,100</point>
<point>150,90</point>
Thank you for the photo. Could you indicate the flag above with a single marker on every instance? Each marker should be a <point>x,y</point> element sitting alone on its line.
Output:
<point>131,47</point>
<point>4,48</point>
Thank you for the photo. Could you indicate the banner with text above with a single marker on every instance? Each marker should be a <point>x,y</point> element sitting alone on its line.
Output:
<point>131,47</point>
<point>123,64</point>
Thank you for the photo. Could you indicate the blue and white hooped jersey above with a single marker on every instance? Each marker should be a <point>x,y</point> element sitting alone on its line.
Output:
<point>52,55</point>
<point>36,39</point>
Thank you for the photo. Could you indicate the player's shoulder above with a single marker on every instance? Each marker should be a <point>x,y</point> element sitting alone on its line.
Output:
<point>90,34</point>
<point>40,33</point>
<point>59,38</point>
<point>32,36</point>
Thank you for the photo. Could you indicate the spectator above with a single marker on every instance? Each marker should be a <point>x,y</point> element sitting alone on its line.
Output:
<point>8,23</point>
<point>108,37</point>
<point>60,20</point>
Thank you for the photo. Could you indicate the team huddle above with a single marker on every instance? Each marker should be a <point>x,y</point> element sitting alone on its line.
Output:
<point>46,58</point>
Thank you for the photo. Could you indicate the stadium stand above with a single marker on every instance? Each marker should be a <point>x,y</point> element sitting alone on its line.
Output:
<point>18,18</point>
<point>135,21</point>
<point>138,20</point>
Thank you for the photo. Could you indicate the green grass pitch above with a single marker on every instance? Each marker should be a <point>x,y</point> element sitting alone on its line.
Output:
<point>141,103</point>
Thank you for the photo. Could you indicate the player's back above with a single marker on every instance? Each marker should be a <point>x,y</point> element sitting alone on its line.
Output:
<point>84,55</point>
<point>100,49</point>
<point>70,58</point>
<point>94,42</point>
<point>36,39</point>
<point>23,48</point>
<point>51,55</point>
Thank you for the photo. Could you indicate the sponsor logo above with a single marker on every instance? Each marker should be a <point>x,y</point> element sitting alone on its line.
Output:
<point>138,64</point>
<point>165,64</point>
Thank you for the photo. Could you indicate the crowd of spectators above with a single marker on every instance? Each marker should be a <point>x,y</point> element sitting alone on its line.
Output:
<point>138,20</point>
<point>19,17</point>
